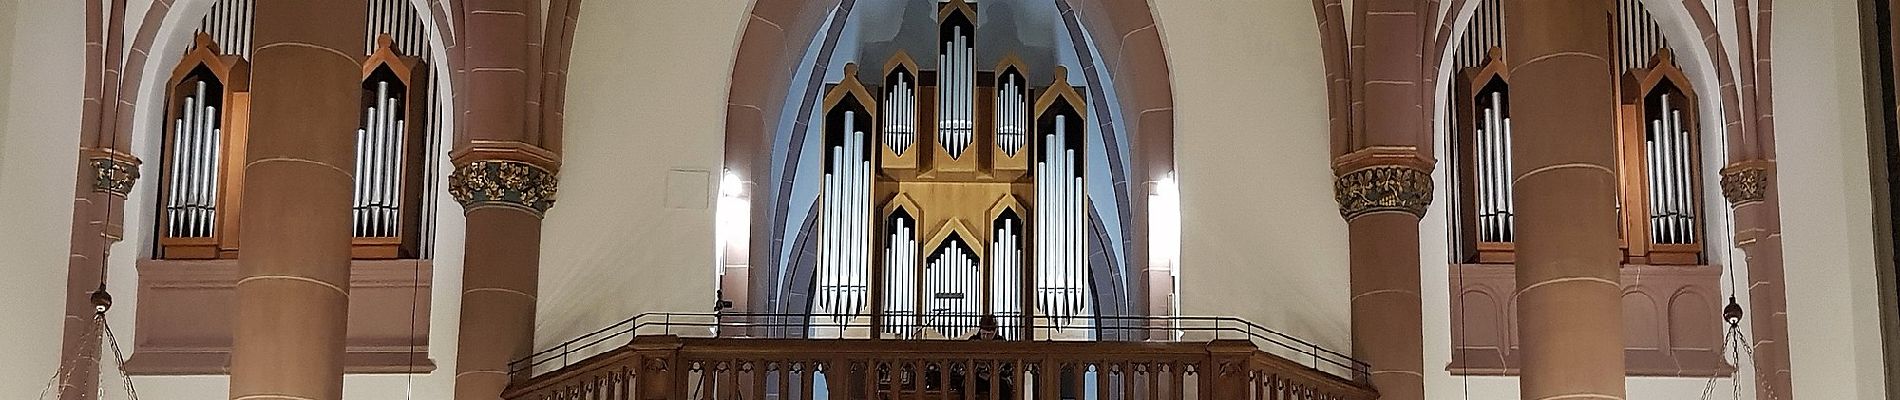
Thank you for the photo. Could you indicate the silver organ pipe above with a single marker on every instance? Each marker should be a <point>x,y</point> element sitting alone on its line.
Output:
<point>1493,146</point>
<point>1062,278</point>
<point>900,278</point>
<point>953,281</point>
<point>1671,194</point>
<point>845,268</point>
<point>379,158</point>
<point>956,75</point>
<point>229,23</point>
<point>900,123</point>
<point>1010,124</point>
<point>1006,275</point>
<point>191,203</point>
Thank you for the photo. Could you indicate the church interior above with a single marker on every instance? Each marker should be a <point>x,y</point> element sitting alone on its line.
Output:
<point>949,199</point>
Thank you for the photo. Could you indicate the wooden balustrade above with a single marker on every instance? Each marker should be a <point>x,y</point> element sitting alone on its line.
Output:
<point>672,367</point>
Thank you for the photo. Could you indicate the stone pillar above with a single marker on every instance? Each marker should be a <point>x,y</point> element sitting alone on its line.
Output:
<point>1382,193</point>
<point>105,178</point>
<point>1750,190</point>
<point>505,179</point>
<point>503,191</point>
<point>1384,186</point>
<point>1563,104</point>
<point>294,273</point>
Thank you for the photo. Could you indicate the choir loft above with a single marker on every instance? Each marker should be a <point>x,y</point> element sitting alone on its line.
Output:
<point>949,199</point>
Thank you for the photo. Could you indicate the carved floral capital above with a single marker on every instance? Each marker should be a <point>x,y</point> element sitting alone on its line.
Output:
<point>1745,184</point>
<point>505,183</point>
<point>114,175</point>
<point>1383,188</point>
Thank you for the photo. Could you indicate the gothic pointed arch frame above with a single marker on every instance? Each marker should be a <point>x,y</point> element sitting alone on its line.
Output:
<point>1125,33</point>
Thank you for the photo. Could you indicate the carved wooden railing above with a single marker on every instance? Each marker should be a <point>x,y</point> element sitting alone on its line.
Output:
<point>669,366</point>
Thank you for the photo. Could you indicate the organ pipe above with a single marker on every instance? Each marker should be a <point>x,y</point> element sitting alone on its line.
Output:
<point>376,209</point>
<point>843,274</point>
<point>1493,165</point>
<point>954,280</point>
<point>191,201</point>
<point>1006,274</point>
<point>1671,196</point>
<point>900,279</point>
<point>956,78</point>
<point>1010,123</point>
<point>1061,273</point>
<point>900,124</point>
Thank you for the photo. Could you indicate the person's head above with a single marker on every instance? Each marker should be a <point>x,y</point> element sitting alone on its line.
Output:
<point>987,324</point>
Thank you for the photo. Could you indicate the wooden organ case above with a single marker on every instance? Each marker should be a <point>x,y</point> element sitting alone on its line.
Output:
<point>952,194</point>
<point>1658,164</point>
<point>207,122</point>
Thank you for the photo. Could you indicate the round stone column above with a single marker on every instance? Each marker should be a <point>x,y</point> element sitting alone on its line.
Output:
<point>1382,195</point>
<point>1569,305</point>
<point>503,192</point>
<point>1750,192</point>
<point>294,272</point>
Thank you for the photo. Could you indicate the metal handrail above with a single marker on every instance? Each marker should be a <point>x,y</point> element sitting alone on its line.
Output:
<point>701,324</point>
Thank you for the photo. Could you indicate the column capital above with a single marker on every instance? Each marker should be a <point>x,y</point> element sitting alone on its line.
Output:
<point>505,183</point>
<point>113,172</point>
<point>1746,182</point>
<point>1384,178</point>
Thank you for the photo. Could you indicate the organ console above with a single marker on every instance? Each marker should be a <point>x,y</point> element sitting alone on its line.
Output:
<point>951,194</point>
<point>1658,160</point>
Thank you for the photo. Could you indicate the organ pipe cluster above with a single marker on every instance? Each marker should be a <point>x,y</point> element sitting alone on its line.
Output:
<point>900,277</point>
<point>956,89</point>
<point>383,157</point>
<point>931,274</point>
<point>1672,191</point>
<point>844,269</point>
<point>1012,114</point>
<point>954,282</point>
<point>900,114</point>
<point>1493,165</point>
<point>1061,271</point>
<point>191,202</point>
<point>1006,273</point>
<point>376,207</point>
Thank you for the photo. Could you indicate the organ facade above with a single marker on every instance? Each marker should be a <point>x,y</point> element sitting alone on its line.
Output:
<point>951,194</point>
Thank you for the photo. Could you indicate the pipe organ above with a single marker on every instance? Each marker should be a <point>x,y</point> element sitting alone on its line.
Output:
<point>387,207</point>
<point>191,206</point>
<point>206,123</point>
<point>956,86</point>
<point>1660,199</point>
<point>1661,155</point>
<point>950,195</point>
<point>844,266</point>
<point>1666,147</point>
<point>209,97</point>
<point>1492,136</point>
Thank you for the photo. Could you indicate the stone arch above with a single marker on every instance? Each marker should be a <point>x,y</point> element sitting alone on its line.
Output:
<point>778,34</point>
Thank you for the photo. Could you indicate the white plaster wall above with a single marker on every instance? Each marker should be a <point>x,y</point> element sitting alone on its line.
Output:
<point>37,170</point>
<point>1261,236</point>
<point>1833,311</point>
<point>633,229</point>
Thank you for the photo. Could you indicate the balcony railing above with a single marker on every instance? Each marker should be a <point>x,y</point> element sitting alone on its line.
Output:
<point>710,356</point>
